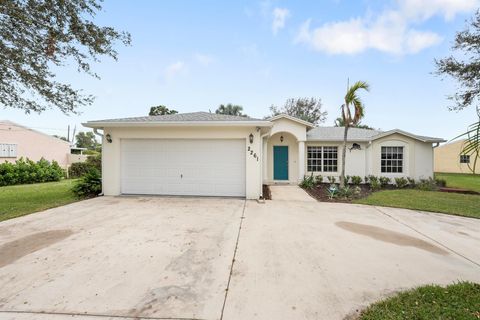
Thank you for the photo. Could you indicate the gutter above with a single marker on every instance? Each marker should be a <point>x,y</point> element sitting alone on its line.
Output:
<point>102,124</point>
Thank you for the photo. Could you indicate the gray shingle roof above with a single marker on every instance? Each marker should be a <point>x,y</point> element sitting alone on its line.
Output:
<point>336,134</point>
<point>358,134</point>
<point>181,117</point>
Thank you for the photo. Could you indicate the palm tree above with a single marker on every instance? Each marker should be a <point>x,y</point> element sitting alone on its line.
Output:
<point>352,112</point>
<point>230,109</point>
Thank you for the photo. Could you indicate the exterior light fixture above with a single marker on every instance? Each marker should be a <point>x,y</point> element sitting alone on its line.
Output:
<point>281,138</point>
<point>108,137</point>
<point>250,137</point>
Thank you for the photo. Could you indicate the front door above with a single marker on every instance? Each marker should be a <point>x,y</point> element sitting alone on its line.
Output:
<point>280,163</point>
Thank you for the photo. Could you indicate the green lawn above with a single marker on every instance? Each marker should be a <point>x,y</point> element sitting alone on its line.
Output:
<point>461,181</point>
<point>435,201</point>
<point>460,301</point>
<point>16,201</point>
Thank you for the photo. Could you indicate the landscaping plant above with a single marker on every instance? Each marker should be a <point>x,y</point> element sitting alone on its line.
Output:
<point>384,181</point>
<point>427,184</point>
<point>356,180</point>
<point>308,182</point>
<point>90,185</point>
<point>331,179</point>
<point>318,179</point>
<point>401,182</point>
<point>374,183</point>
<point>28,171</point>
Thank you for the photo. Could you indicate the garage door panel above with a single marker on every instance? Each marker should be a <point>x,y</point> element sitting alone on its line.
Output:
<point>183,167</point>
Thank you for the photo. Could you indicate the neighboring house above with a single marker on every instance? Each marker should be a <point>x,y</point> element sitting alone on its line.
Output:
<point>449,158</point>
<point>210,154</point>
<point>17,141</point>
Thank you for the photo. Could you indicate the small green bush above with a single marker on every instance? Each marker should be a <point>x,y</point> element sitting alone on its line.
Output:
<point>367,179</point>
<point>356,180</point>
<point>411,182</point>
<point>79,169</point>
<point>318,179</point>
<point>384,181</point>
<point>345,192</point>
<point>442,183</point>
<point>308,182</point>
<point>401,182</point>
<point>90,185</point>
<point>28,171</point>
<point>347,179</point>
<point>95,161</point>
<point>374,183</point>
<point>331,179</point>
<point>427,184</point>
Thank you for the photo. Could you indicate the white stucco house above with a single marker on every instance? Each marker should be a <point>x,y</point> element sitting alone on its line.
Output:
<point>208,154</point>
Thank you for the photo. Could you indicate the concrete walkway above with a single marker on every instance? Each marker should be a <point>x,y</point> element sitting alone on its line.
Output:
<point>228,259</point>
<point>289,193</point>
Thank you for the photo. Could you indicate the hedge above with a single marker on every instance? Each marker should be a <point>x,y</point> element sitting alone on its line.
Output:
<point>79,169</point>
<point>28,171</point>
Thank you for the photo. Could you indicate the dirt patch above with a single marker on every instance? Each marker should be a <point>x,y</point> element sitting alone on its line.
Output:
<point>14,250</point>
<point>390,236</point>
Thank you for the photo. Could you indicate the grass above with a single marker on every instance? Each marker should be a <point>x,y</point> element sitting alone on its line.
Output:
<point>459,301</point>
<point>451,203</point>
<point>16,201</point>
<point>461,181</point>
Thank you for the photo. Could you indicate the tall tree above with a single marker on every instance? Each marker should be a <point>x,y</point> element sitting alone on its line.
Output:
<point>86,140</point>
<point>464,67</point>
<point>308,109</point>
<point>160,111</point>
<point>230,109</point>
<point>352,111</point>
<point>38,37</point>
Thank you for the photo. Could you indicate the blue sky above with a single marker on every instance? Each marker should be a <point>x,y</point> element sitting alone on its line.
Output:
<point>195,55</point>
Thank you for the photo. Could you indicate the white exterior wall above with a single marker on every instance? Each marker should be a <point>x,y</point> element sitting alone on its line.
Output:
<point>111,166</point>
<point>292,143</point>
<point>356,159</point>
<point>418,157</point>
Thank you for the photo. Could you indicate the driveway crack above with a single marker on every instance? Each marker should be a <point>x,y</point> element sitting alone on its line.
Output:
<point>233,259</point>
<point>428,237</point>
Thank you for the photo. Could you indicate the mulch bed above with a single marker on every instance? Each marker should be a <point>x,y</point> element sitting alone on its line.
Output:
<point>267,195</point>
<point>455,190</point>
<point>320,193</point>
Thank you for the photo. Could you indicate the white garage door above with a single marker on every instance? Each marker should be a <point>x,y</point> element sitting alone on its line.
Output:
<point>183,167</point>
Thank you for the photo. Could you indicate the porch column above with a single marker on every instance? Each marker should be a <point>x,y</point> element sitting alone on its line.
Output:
<point>301,160</point>
<point>264,160</point>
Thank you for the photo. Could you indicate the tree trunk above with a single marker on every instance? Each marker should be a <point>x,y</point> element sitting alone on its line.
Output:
<point>344,155</point>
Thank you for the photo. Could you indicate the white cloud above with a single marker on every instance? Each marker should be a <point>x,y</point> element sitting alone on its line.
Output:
<point>425,9</point>
<point>280,15</point>
<point>392,31</point>
<point>203,59</point>
<point>174,69</point>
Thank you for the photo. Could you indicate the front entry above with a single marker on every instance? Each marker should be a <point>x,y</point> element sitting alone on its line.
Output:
<point>280,162</point>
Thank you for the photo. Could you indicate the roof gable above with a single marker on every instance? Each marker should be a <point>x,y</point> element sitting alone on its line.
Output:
<point>294,119</point>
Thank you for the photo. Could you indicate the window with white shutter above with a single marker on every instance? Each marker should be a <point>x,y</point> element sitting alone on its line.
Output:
<point>8,150</point>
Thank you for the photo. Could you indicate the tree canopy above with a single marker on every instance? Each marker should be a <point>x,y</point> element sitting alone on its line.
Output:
<point>230,109</point>
<point>161,110</point>
<point>86,140</point>
<point>308,109</point>
<point>339,123</point>
<point>39,37</point>
<point>464,67</point>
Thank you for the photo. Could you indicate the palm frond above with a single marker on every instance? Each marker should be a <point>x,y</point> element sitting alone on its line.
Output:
<point>471,146</point>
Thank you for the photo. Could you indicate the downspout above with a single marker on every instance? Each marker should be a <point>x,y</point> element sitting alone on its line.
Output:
<point>261,165</point>
<point>95,131</point>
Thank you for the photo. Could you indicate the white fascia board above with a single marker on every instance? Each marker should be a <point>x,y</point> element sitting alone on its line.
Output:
<point>106,124</point>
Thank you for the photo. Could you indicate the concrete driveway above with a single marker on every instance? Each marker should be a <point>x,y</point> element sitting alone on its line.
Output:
<point>171,258</point>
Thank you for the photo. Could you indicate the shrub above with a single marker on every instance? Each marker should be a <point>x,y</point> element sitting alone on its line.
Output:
<point>384,181</point>
<point>28,171</point>
<point>308,182</point>
<point>427,184</point>
<point>78,169</point>
<point>411,182</point>
<point>90,185</point>
<point>345,192</point>
<point>367,179</point>
<point>374,183</point>
<point>401,182</point>
<point>347,179</point>
<point>318,179</point>
<point>356,180</point>
<point>331,179</point>
<point>332,191</point>
<point>442,183</point>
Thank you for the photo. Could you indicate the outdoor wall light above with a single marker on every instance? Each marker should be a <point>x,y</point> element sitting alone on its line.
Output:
<point>108,137</point>
<point>250,137</point>
<point>355,146</point>
<point>281,138</point>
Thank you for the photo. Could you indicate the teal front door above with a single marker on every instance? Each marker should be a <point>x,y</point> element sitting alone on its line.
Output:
<point>280,163</point>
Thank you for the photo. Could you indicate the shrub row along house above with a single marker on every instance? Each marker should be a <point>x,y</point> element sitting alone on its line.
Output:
<point>209,154</point>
